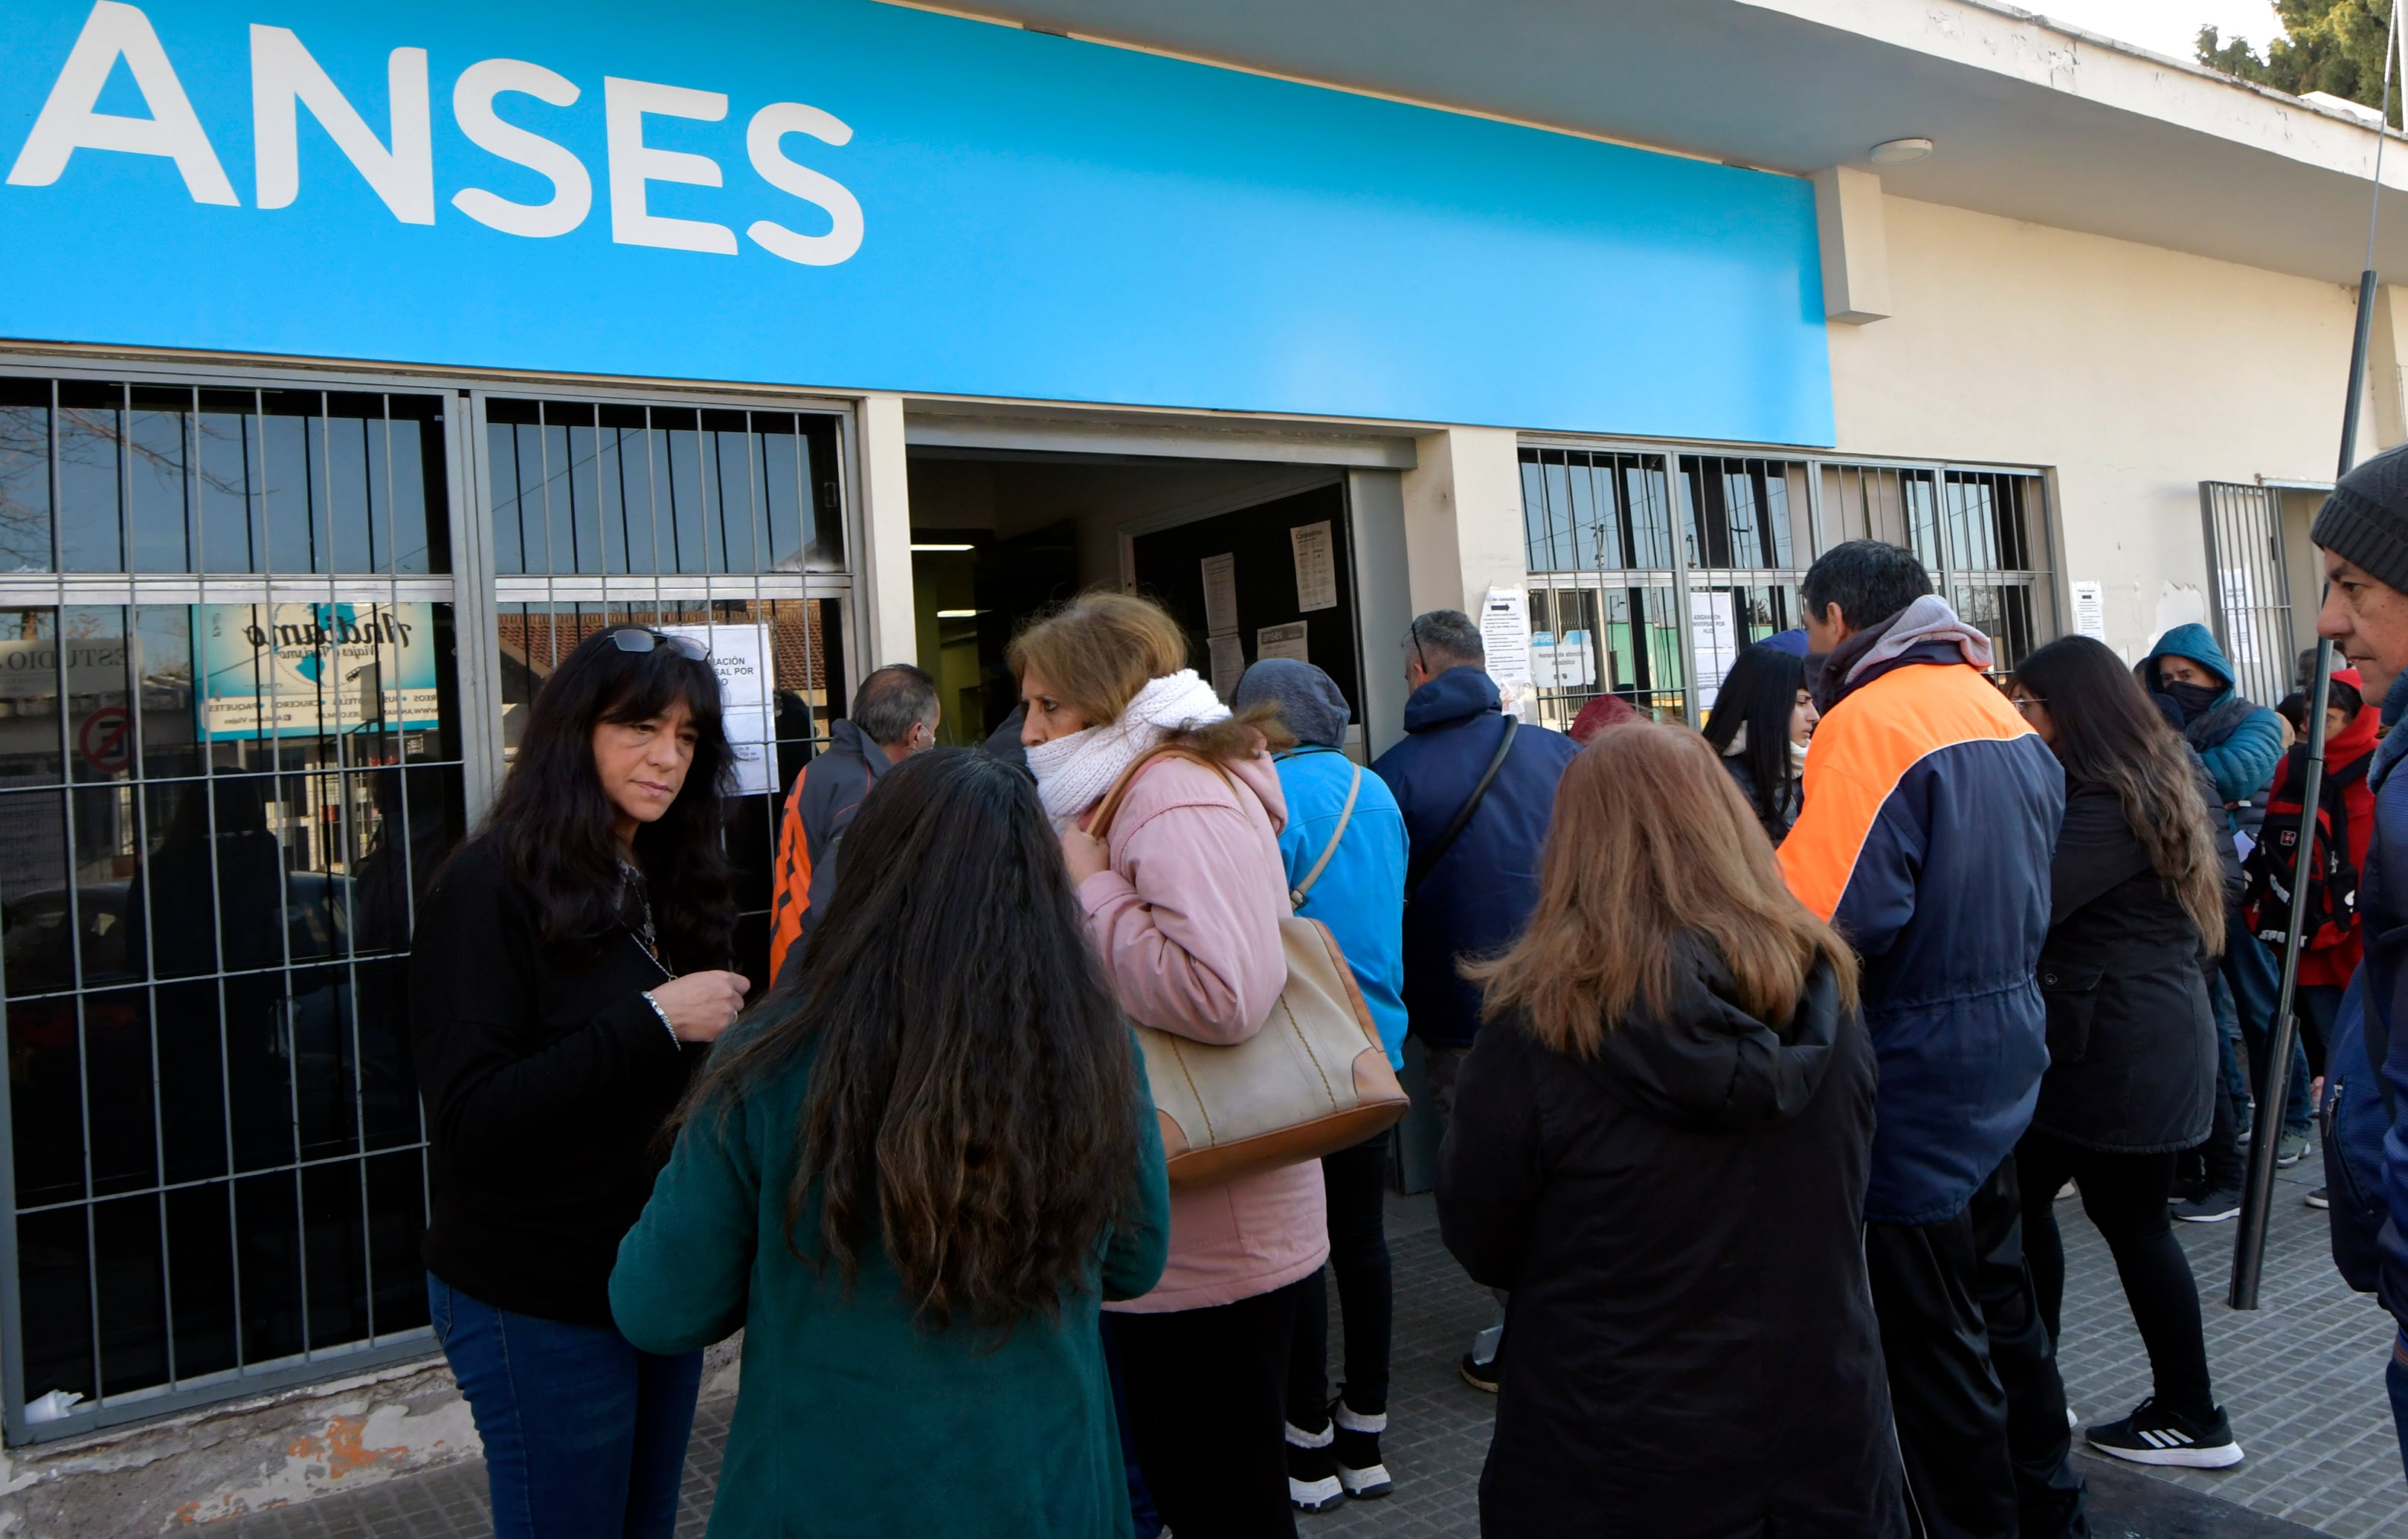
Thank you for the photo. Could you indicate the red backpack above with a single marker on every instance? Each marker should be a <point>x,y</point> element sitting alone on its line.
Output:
<point>2332,876</point>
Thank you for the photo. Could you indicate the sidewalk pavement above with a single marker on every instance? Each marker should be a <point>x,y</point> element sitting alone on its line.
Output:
<point>2302,1377</point>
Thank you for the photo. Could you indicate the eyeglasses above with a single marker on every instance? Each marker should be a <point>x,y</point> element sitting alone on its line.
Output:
<point>643,638</point>
<point>2024,703</point>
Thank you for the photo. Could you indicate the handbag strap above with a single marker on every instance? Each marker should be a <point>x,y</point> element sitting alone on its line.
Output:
<point>1345,816</point>
<point>1429,858</point>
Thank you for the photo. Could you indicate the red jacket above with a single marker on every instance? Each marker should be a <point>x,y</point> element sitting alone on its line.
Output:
<point>2333,964</point>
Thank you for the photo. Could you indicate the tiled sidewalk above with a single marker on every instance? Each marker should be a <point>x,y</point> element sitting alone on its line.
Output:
<point>2302,1378</point>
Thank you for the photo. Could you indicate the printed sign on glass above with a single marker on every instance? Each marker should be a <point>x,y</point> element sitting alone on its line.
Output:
<point>312,670</point>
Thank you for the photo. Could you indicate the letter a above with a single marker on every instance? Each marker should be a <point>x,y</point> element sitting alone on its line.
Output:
<point>68,123</point>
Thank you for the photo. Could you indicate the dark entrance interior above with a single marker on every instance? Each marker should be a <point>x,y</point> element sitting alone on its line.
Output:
<point>999,536</point>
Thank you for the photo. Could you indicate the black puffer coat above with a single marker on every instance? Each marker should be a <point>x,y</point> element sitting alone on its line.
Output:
<point>2132,1043</point>
<point>1693,1349</point>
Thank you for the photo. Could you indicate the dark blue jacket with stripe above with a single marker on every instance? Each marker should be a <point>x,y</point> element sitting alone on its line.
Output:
<point>1931,813</point>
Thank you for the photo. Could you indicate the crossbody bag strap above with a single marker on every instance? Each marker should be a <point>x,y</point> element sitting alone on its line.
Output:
<point>1345,816</point>
<point>1429,861</point>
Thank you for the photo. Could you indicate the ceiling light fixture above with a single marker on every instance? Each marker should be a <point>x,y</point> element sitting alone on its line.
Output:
<point>959,614</point>
<point>917,546</point>
<point>1900,152</point>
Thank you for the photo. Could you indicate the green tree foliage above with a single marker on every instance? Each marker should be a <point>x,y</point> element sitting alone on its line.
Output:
<point>2334,46</point>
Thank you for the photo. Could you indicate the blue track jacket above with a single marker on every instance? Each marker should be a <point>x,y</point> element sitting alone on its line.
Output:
<point>1360,894</point>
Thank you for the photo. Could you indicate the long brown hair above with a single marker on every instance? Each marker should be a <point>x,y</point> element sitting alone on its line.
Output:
<point>1097,650</point>
<point>973,1107</point>
<point>1652,841</point>
<point>2108,732</point>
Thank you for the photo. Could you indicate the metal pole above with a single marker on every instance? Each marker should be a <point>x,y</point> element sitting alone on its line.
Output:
<point>2249,1244</point>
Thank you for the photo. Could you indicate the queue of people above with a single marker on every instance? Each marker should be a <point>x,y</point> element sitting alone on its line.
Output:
<point>1838,992</point>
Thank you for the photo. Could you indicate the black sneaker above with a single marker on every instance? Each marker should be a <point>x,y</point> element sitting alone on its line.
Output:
<point>1480,1376</point>
<point>2320,1198</point>
<point>2208,1208</point>
<point>2154,1435</point>
<point>1356,1451</point>
<point>1312,1472</point>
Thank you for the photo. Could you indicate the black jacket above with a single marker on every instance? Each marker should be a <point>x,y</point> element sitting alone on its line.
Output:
<point>1694,1351</point>
<point>545,1078</point>
<point>1786,800</point>
<point>2131,1044</point>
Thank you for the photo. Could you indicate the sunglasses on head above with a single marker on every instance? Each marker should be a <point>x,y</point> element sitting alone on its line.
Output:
<point>643,638</point>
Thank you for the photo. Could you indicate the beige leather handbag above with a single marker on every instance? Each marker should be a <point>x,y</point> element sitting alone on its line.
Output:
<point>1312,1080</point>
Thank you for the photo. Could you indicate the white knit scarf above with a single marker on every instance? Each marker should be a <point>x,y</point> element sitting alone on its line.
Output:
<point>1074,771</point>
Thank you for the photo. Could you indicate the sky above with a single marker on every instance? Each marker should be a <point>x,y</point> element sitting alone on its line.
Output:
<point>2166,27</point>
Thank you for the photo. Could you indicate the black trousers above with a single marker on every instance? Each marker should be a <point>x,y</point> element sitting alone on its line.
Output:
<point>1354,1184</point>
<point>2125,1196</point>
<point>1972,1373</point>
<point>1206,1391</point>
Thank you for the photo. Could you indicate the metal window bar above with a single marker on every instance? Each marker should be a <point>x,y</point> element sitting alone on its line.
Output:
<point>1984,533</point>
<point>315,783</point>
<point>2249,587</point>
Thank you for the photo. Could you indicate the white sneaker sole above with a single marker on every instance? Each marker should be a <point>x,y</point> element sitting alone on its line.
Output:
<point>1366,1485</point>
<point>2224,1456</point>
<point>1316,1495</point>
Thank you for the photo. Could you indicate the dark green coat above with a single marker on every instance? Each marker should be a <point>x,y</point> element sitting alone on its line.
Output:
<point>851,1420</point>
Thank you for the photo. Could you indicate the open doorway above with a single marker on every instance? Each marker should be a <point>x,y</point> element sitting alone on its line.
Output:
<point>1248,555</point>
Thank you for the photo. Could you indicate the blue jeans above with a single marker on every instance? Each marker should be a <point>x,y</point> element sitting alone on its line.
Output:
<point>585,1435</point>
<point>2254,974</point>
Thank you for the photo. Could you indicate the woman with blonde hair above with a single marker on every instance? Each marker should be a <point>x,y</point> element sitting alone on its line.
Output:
<point>1183,896</point>
<point>1660,1145</point>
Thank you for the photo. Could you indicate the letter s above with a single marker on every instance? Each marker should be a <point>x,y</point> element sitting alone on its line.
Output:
<point>770,126</point>
<point>472,103</point>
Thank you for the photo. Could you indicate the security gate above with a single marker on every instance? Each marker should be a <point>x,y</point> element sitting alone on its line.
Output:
<point>2249,587</point>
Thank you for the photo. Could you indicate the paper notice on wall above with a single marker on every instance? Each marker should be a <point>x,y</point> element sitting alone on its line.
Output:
<point>1281,641</point>
<point>2090,610</point>
<point>1220,594</point>
<point>1505,635</point>
<point>1316,566</point>
<point>1228,663</point>
<point>1562,661</point>
<point>741,656</point>
<point>1714,643</point>
<point>2240,645</point>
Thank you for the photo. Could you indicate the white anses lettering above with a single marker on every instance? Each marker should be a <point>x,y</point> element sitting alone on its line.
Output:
<point>284,77</point>
<point>624,105</point>
<point>68,123</point>
<point>572,189</point>
<point>399,168</point>
<point>762,142</point>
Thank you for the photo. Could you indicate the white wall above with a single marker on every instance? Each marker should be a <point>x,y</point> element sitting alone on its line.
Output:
<point>2134,372</point>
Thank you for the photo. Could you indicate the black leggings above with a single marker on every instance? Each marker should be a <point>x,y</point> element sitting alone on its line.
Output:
<point>1205,1393</point>
<point>1355,1184</point>
<point>2125,1195</point>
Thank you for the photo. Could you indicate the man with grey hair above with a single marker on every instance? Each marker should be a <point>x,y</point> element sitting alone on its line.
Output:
<point>1478,791</point>
<point>895,716</point>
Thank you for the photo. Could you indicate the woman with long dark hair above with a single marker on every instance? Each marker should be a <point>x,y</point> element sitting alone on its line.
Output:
<point>566,977</point>
<point>1660,1144</point>
<point>2137,898</point>
<point>912,1176</point>
<point>1183,895</point>
<point>1760,724</point>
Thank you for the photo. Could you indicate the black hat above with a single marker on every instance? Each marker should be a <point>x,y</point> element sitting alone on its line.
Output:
<point>2365,520</point>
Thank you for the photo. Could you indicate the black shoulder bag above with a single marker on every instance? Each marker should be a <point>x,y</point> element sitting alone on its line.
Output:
<point>1429,857</point>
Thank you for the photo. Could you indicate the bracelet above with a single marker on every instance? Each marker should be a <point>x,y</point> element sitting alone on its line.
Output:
<point>665,1024</point>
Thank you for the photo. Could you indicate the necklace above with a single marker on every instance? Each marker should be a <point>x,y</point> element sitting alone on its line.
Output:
<point>632,880</point>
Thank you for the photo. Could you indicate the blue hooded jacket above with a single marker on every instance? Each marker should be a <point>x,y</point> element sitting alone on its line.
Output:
<point>2239,741</point>
<point>2382,991</point>
<point>1477,898</point>
<point>1360,894</point>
